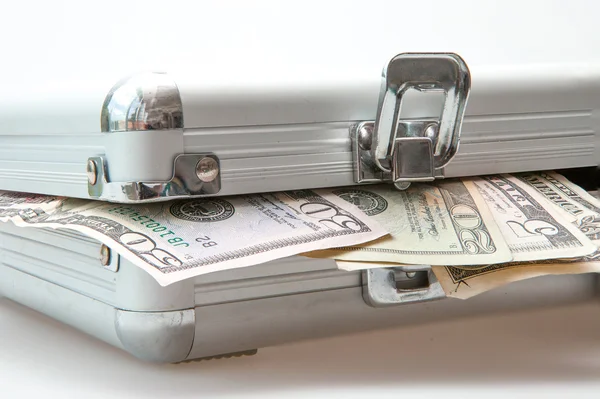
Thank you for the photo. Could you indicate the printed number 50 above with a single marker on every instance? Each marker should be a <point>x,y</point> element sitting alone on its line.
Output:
<point>330,216</point>
<point>145,247</point>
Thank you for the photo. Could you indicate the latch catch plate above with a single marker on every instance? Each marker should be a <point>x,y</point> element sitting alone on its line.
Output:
<point>380,291</point>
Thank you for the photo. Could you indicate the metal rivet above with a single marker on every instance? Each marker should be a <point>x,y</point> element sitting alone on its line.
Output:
<point>411,274</point>
<point>425,86</point>
<point>92,172</point>
<point>104,255</point>
<point>431,131</point>
<point>365,138</point>
<point>402,185</point>
<point>207,169</point>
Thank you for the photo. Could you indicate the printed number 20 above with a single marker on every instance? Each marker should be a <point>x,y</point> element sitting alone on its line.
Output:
<point>532,228</point>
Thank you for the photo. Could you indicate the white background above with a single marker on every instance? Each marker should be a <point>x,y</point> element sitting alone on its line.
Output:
<point>63,40</point>
<point>555,353</point>
<point>541,353</point>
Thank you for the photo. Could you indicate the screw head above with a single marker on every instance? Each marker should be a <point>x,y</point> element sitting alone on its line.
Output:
<point>411,275</point>
<point>104,255</point>
<point>92,172</point>
<point>207,169</point>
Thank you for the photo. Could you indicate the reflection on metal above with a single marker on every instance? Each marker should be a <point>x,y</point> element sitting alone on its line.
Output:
<point>148,101</point>
<point>400,151</point>
<point>188,169</point>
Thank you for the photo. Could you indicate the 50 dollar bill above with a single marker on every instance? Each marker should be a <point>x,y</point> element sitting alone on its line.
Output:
<point>177,240</point>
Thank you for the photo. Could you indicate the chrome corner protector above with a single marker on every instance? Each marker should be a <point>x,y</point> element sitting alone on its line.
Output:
<point>141,102</point>
<point>160,337</point>
<point>379,287</point>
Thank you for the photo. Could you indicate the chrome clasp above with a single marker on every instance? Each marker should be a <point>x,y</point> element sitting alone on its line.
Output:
<point>402,151</point>
<point>400,285</point>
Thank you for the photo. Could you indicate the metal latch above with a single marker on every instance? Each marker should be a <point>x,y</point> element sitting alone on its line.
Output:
<point>382,287</point>
<point>402,151</point>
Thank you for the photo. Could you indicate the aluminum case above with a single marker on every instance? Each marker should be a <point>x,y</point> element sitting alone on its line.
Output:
<point>226,313</point>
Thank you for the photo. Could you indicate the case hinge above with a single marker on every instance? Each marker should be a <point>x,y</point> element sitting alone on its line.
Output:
<point>193,175</point>
<point>402,151</point>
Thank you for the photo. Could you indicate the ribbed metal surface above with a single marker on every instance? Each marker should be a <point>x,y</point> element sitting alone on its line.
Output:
<point>61,257</point>
<point>280,157</point>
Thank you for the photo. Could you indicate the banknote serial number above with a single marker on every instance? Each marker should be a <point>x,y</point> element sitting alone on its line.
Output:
<point>150,224</point>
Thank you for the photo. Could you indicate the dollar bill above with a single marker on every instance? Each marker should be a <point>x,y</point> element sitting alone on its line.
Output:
<point>177,240</point>
<point>574,203</point>
<point>13,202</point>
<point>463,283</point>
<point>568,200</point>
<point>10,199</point>
<point>466,282</point>
<point>532,227</point>
<point>446,223</point>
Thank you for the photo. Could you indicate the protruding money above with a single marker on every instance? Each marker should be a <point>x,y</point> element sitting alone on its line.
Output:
<point>540,191</point>
<point>463,283</point>
<point>177,240</point>
<point>445,223</point>
<point>466,282</point>
<point>13,202</point>
<point>10,199</point>
<point>574,203</point>
<point>532,227</point>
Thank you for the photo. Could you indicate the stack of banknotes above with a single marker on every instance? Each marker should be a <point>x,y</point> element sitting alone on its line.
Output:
<point>476,233</point>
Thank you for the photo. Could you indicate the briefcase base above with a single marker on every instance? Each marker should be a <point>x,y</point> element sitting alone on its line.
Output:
<point>58,273</point>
